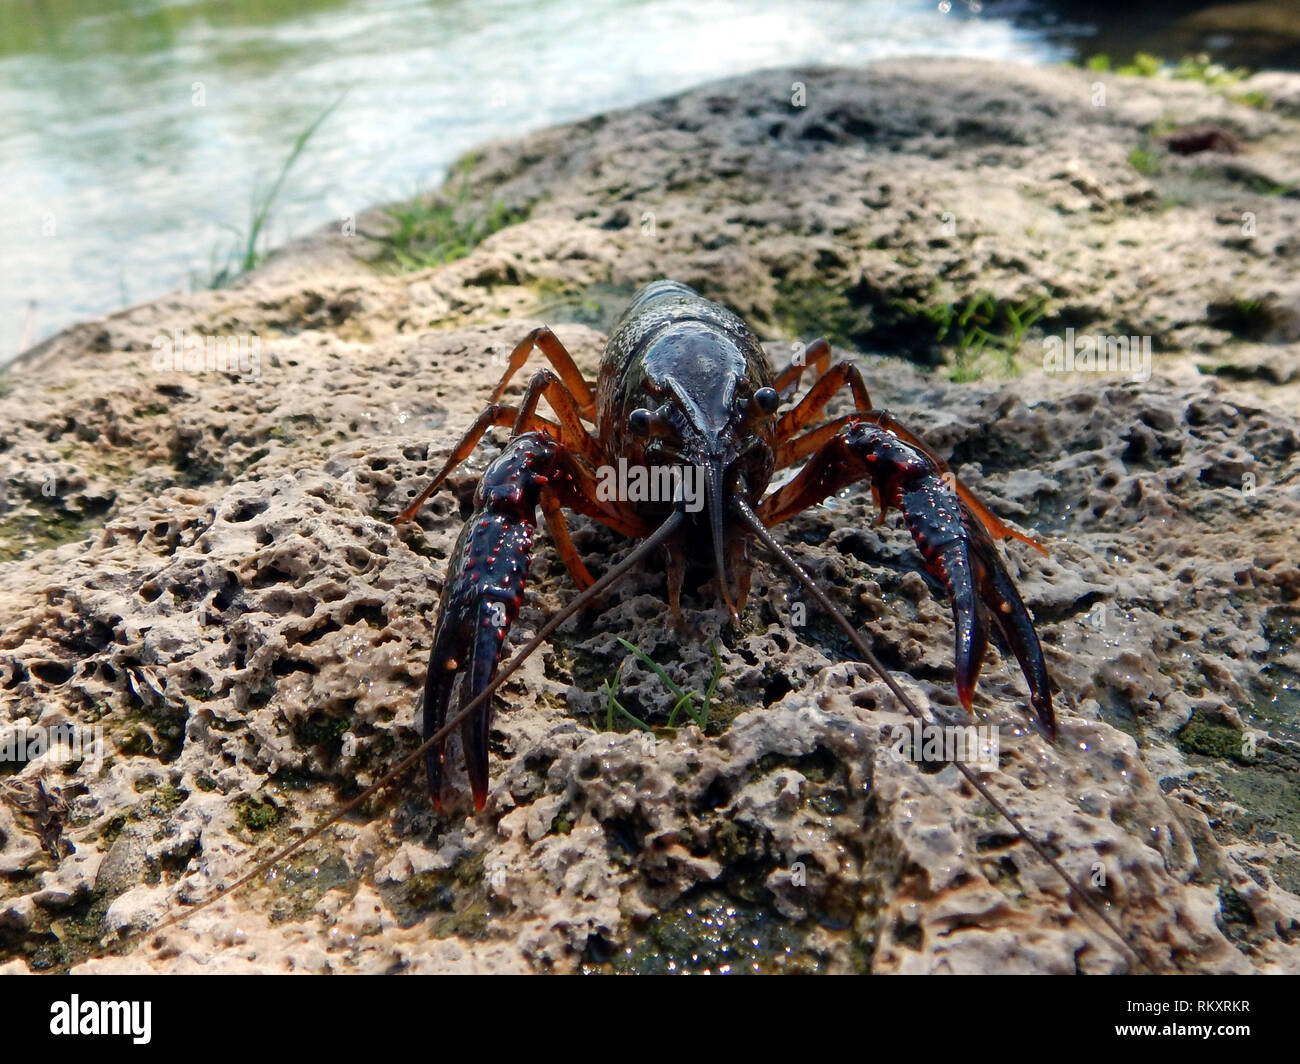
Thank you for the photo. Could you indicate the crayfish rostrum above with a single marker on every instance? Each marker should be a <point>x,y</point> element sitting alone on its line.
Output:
<point>685,389</point>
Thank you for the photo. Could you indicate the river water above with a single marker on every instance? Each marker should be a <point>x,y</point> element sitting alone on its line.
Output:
<point>134,135</point>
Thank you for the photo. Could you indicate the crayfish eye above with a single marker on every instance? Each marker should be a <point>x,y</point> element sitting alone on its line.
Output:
<point>638,422</point>
<point>767,400</point>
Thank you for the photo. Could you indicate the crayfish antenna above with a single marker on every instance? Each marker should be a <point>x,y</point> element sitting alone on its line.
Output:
<point>760,530</point>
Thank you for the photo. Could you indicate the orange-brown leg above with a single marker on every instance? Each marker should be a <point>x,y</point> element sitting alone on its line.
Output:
<point>799,448</point>
<point>542,339</point>
<point>582,496</point>
<point>781,505</point>
<point>523,418</point>
<point>809,409</point>
<point>574,435</point>
<point>559,529</point>
<point>791,451</point>
<point>495,415</point>
<point>580,493</point>
<point>817,354</point>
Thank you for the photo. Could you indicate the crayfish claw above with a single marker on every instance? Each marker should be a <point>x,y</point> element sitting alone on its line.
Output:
<point>972,627</point>
<point>1016,627</point>
<point>481,597</point>
<point>958,550</point>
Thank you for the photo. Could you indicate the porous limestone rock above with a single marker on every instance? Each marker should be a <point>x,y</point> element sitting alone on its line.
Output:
<point>203,564</point>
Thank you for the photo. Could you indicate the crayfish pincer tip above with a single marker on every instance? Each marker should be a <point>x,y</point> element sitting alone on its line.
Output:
<point>1047,724</point>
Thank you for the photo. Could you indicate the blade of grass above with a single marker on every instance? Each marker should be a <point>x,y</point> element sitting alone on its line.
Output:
<point>684,701</point>
<point>263,210</point>
<point>612,703</point>
<point>238,263</point>
<point>653,666</point>
<point>634,719</point>
<point>713,683</point>
<point>610,686</point>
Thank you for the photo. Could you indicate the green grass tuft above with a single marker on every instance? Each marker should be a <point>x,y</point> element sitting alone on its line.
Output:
<point>683,700</point>
<point>249,251</point>
<point>257,815</point>
<point>1143,160</point>
<point>982,325</point>
<point>442,229</point>
<point>1189,68</point>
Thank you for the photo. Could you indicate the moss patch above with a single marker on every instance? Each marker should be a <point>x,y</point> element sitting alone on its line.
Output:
<point>818,308</point>
<point>457,899</point>
<point>1202,736</point>
<point>28,533</point>
<point>256,815</point>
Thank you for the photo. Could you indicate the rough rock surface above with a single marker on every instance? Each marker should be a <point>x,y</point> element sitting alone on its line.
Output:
<point>203,565</point>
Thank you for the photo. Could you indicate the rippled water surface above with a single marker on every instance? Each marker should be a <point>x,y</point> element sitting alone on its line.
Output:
<point>134,135</point>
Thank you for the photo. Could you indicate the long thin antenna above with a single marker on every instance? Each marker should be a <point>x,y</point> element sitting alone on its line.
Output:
<point>640,551</point>
<point>756,526</point>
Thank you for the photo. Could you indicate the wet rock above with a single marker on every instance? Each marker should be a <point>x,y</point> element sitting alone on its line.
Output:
<point>214,578</point>
<point>136,910</point>
<point>18,913</point>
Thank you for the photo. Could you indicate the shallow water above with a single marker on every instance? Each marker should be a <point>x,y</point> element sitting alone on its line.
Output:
<point>133,138</point>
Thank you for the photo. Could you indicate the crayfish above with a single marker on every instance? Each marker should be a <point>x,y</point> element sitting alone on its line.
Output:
<point>685,388</point>
<point>687,396</point>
